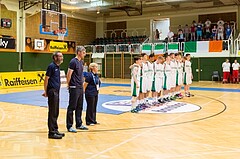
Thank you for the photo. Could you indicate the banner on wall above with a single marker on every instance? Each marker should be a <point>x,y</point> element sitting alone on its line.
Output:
<point>58,46</point>
<point>204,46</point>
<point>1,84</point>
<point>22,79</point>
<point>6,43</point>
<point>38,44</point>
<point>49,45</point>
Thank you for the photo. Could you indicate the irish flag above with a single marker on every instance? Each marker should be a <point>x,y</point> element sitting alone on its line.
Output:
<point>147,48</point>
<point>203,46</point>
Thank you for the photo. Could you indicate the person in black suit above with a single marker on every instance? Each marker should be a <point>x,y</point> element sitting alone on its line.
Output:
<point>91,88</point>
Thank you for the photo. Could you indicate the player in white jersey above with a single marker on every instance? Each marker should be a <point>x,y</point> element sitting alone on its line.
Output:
<point>150,74</point>
<point>158,78</point>
<point>173,65</point>
<point>187,79</point>
<point>135,81</point>
<point>167,78</point>
<point>235,67</point>
<point>226,70</point>
<point>144,82</point>
<point>179,78</point>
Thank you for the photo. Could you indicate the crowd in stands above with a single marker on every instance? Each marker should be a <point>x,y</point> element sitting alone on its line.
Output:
<point>200,31</point>
<point>120,40</point>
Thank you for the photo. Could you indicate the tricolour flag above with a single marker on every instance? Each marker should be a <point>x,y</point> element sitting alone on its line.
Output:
<point>203,46</point>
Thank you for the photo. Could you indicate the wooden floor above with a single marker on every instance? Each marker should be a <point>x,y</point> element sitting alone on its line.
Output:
<point>211,133</point>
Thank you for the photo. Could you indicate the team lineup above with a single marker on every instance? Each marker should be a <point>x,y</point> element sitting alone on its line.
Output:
<point>163,77</point>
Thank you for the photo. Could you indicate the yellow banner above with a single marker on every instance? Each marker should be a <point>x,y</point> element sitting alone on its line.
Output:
<point>22,79</point>
<point>58,46</point>
<point>1,83</point>
<point>238,52</point>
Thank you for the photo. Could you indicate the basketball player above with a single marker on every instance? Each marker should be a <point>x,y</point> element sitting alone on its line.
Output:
<point>150,75</point>
<point>187,75</point>
<point>179,78</point>
<point>167,78</point>
<point>173,65</point>
<point>158,79</point>
<point>135,82</point>
<point>235,67</point>
<point>226,70</point>
<point>144,87</point>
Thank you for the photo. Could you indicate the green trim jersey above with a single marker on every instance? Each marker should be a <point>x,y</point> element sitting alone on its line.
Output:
<point>135,72</point>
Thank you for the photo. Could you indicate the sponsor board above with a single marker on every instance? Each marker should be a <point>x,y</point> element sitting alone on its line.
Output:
<point>22,79</point>
<point>58,46</point>
<point>166,108</point>
<point>38,44</point>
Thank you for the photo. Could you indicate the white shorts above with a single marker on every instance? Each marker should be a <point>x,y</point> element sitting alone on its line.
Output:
<point>179,79</point>
<point>134,89</point>
<point>187,79</point>
<point>158,84</point>
<point>173,79</point>
<point>167,82</point>
<point>144,85</point>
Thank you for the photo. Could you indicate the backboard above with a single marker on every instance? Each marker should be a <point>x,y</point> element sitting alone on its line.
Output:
<point>53,23</point>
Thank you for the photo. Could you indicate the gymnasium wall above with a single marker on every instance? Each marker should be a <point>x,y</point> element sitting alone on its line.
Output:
<point>81,31</point>
<point>40,61</point>
<point>10,15</point>
<point>132,24</point>
<point>182,20</point>
<point>9,61</point>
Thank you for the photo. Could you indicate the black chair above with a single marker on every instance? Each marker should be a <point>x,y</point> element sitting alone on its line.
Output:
<point>215,74</point>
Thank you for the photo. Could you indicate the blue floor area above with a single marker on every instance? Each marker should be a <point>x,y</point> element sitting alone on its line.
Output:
<point>34,97</point>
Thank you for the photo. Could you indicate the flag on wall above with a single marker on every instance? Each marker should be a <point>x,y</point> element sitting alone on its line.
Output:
<point>173,47</point>
<point>203,46</point>
<point>159,48</point>
<point>147,48</point>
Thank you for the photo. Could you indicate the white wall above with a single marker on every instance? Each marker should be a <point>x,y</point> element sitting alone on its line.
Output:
<point>163,26</point>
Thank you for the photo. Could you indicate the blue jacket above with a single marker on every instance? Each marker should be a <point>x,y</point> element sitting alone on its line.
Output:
<point>92,80</point>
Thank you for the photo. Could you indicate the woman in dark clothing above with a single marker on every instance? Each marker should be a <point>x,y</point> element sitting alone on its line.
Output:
<point>91,87</point>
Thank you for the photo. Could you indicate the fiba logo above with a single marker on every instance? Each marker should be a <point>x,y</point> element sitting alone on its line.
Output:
<point>166,108</point>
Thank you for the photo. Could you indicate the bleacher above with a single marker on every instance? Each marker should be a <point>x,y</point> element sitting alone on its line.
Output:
<point>120,40</point>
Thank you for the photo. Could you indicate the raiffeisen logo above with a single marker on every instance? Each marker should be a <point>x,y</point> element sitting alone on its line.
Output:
<point>20,82</point>
<point>166,108</point>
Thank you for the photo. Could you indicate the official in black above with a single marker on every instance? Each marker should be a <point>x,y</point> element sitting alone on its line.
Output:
<point>91,87</point>
<point>51,90</point>
<point>75,86</point>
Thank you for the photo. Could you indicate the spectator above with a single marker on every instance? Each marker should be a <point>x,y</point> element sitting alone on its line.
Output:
<point>170,35</point>
<point>228,31</point>
<point>226,71</point>
<point>199,31</point>
<point>193,30</point>
<point>220,32</point>
<point>214,32</point>
<point>186,32</point>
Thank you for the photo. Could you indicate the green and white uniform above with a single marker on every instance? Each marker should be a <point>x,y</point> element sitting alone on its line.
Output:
<point>150,76</point>
<point>187,73</point>
<point>173,65</point>
<point>135,72</point>
<point>167,76</point>
<point>158,78</point>
<point>144,82</point>
<point>179,81</point>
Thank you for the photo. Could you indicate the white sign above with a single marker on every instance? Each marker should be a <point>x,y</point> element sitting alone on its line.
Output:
<point>38,44</point>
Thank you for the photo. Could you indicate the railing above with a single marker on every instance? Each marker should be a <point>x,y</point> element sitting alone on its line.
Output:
<point>126,32</point>
<point>171,47</point>
<point>236,46</point>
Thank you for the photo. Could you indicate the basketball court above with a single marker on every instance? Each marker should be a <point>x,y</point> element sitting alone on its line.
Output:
<point>208,132</point>
<point>205,126</point>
